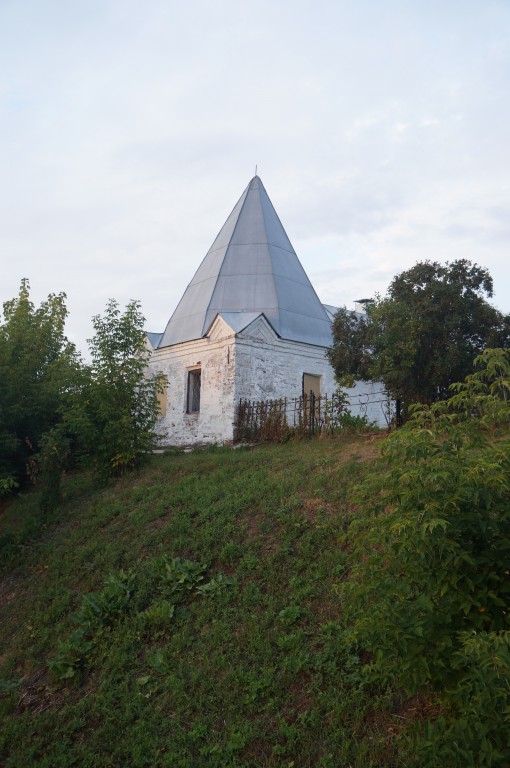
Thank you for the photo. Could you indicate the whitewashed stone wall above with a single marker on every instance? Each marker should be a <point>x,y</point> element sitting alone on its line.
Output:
<point>272,368</point>
<point>369,399</point>
<point>253,365</point>
<point>214,422</point>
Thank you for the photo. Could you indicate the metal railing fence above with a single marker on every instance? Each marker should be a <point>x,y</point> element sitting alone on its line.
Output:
<point>309,414</point>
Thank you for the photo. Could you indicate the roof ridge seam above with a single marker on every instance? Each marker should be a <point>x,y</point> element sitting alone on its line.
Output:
<point>245,193</point>
<point>302,314</point>
<point>267,239</point>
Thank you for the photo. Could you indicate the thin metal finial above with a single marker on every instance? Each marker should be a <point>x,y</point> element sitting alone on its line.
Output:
<point>255,170</point>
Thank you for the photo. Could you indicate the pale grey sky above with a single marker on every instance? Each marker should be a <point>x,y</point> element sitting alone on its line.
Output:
<point>128,131</point>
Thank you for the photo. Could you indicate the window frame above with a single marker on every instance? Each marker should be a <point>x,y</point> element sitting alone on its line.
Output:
<point>314,376</point>
<point>193,390</point>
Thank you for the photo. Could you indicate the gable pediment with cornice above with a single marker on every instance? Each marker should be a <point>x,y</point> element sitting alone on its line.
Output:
<point>220,329</point>
<point>259,329</point>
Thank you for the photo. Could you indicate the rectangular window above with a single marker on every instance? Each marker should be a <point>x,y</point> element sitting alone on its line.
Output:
<point>193,398</point>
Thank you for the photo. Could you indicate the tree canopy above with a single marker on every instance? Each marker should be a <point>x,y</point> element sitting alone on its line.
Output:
<point>37,365</point>
<point>54,409</point>
<point>117,408</point>
<point>424,334</point>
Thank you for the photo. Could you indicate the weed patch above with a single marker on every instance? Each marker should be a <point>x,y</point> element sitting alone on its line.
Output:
<point>215,638</point>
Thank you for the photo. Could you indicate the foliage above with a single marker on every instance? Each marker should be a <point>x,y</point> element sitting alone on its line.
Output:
<point>98,611</point>
<point>216,586</point>
<point>336,416</point>
<point>8,485</point>
<point>424,334</point>
<point>181,576</point>
<point>49,465</point>
<point>115,412</point>
<point>475,731</point>
<point>350,354</point>
<point>123,596</point>
<point>264,421</point>
<point>72,655</point>
<point>296,417</point>
<point>244,675</point>
<point>429,584</point>
<point>101,609</point>
<point>37,365</point>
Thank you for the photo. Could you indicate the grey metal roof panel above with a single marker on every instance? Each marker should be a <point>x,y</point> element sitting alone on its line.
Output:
<point>188,323</point>
<point>210,266</point>
<point>276,235</point>
<point>154,339</point>
<point>234,293</point>
<point>224,236</point>
<point>331,310</point>
<point>251,267</point>
<point>309,330</point>
<point>287,265</point>
<point>297,297</point>
<point>183,329</point>
<point>247,259</point>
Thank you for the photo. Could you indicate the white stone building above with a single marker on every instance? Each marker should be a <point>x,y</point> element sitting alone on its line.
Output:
<point>249,326</point>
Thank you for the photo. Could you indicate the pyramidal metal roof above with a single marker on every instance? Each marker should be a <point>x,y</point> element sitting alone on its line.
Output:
<point>252,268</point>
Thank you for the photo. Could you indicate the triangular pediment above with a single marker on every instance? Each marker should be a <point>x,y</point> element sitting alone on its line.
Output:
<point>259,329</point>
<point>243,324</point>
<point>219,329</point>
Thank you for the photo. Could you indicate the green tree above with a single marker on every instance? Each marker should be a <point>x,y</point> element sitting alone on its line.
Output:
<point>429,584</point>
<point>424,334</point>
<point>350,355</point>
<point>114,415</point>
<point>37,365</point>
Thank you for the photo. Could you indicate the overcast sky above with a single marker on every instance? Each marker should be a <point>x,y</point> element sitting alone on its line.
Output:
<point>128,130</point>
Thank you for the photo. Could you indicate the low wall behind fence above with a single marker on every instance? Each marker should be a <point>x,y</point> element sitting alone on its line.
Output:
<point>311,413</point>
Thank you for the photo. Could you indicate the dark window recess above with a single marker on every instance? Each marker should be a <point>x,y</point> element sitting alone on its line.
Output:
<point>194,382</point>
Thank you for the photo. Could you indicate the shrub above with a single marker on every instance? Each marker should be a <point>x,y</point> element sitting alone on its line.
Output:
<point>71,656</point>
<point>114,411</point>
<point>8,485</point>
<point>180,576</point>
<point>50,464</point>
<point>100,609</point>
<point>430,581</point>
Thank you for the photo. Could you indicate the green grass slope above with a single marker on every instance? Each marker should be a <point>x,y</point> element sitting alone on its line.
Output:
<point>188,616</point>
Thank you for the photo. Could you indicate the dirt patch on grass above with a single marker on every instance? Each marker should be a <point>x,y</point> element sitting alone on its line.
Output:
<point>418,708</point>
<point>36,695</point>
<point>253,528</point>
<point>366,449</point>
<point>158,523</point>
<point>299,697</point>
<point>313,508</point>
<point>8,587</point>
<point>258,531</point>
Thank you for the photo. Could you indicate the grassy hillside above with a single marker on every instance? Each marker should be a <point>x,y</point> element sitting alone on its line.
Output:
<point>217,640</point>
